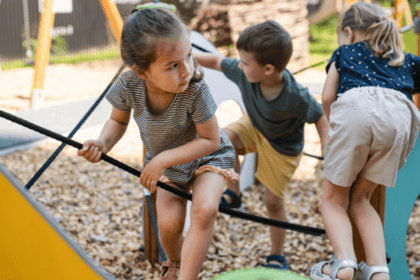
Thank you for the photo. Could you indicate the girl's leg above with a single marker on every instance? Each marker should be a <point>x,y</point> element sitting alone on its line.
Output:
<point>207,191</point>
<point>369,225</point>
<point>334,205</point>
<point>171,211</point>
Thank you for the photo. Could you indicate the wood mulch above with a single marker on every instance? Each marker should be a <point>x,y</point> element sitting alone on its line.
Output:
<point>99,206</point>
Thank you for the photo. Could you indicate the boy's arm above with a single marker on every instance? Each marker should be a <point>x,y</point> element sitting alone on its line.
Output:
<point>208,60</point>
<point>329,93</point>
<point>322,126</point>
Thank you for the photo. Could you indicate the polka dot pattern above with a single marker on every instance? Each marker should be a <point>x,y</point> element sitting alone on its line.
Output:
<point>358,67</point>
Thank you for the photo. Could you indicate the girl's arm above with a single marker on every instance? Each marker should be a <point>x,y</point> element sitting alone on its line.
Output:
<point>208,60</point>
<point>329,93</point>
<point>208,141</point>
<point>111,133</point>
<point>322,126</point>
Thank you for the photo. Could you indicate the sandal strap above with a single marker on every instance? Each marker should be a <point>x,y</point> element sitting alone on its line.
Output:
<point>236,200</point>
<point>317,268</point>
<point>171,264</point>
<point>368,271</point>
<point>278,258</point>
<point>232,195</point>
<point>337,265</point>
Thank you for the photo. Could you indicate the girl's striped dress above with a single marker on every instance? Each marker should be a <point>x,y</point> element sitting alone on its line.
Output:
<point>173,128</point>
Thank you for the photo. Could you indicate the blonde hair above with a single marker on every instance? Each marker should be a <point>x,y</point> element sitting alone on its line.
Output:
<point>384,38</point>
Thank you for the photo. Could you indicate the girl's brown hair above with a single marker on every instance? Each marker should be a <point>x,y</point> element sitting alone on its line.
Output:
<point>384,38</point>
<point>143,30</point>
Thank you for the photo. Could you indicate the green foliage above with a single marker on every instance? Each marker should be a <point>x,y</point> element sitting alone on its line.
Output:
<point>58,45</point>
<point>323,40</point>
<point>68,59</point>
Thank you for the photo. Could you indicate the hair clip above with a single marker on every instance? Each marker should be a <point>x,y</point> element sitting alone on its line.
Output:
<point>155,5</point>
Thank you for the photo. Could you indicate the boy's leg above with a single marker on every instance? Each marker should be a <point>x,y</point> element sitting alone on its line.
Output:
<point>369,225</point>
<point>207,189</point>
<point>276,211</point>
<point>171,211</point>
<point>239,150</point>
<point>334,205</point>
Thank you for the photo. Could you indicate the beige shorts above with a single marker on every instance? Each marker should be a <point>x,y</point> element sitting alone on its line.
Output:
<point>274,170</point>
<point>372,131</point>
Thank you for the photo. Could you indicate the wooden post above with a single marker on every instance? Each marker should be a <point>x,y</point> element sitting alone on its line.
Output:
<point>151,249</point>
<point>42,53</point>
<point>398,5</point>
<point>407,12</point>
<point>113,16</point>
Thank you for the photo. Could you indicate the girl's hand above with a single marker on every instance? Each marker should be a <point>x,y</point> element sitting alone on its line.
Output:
<point>151,174</point>
<point>92,150</point>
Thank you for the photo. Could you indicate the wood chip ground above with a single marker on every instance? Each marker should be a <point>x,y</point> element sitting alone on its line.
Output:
<point>99,205</point>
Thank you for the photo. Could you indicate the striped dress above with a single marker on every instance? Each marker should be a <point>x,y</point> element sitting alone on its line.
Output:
<point>173,128</point>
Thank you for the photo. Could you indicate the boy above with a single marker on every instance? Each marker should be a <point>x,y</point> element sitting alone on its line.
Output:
<point>277,109</point>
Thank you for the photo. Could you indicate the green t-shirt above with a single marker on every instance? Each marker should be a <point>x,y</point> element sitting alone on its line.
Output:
<point>281,120</point>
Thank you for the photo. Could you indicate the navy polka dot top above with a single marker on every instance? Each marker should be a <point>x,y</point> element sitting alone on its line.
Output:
<point>358,67</point>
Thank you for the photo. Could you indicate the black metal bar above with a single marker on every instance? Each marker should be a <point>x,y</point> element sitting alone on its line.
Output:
<point>135,172</point>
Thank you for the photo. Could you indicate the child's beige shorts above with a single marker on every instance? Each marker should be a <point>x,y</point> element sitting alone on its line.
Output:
<point>274,170</point>
<point>372,131</point>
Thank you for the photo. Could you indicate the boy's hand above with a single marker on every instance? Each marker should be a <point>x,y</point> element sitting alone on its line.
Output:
<point>92,150</point>
<point>151,174</point>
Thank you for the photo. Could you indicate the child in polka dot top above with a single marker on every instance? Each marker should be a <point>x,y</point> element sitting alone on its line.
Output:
<point>367,98</point>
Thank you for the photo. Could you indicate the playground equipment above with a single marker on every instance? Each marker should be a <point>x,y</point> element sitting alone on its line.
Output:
<point>398,206</point>
<point>398,264</point>
<point>33,245</point>
<point>44,43</point>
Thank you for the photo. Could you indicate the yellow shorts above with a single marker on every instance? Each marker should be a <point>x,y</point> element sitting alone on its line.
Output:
<point>274,170</point>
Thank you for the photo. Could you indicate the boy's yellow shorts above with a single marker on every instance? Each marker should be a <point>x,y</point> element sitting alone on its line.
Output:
<point>274,170</point>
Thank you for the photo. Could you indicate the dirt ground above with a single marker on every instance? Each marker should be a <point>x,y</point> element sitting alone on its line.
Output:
<point>100,206</point>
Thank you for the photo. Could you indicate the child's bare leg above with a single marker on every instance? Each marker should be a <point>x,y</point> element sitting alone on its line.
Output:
<point>369,225</point>
<point>276,211</point>
<point>334,205</point>
<point>240,150</point>
<point>171,211</point>
<point>207,190</point>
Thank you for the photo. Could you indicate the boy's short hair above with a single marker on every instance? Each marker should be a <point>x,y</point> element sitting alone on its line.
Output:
<point>269,42</point>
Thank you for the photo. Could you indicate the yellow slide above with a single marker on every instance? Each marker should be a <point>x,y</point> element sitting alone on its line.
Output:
<point>32,245</point>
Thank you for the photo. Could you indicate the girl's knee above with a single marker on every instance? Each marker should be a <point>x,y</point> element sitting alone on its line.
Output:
<point>357,204</point>
<point>204,215</point>
<point>170,225</point>
<point>336,195</point>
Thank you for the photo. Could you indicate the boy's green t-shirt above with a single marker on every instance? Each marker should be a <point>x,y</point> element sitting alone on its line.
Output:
<point>281,120</point>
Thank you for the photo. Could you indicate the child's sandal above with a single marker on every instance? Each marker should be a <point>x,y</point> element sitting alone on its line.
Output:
<point>170,270</point>
<point>368,271</point>
<point>336,265</point>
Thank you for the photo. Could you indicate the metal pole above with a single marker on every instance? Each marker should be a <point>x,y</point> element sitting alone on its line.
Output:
<point>26,24</point>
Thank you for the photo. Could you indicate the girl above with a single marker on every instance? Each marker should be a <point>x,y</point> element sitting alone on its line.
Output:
<point>174,111</point>
<point>373,128</point>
